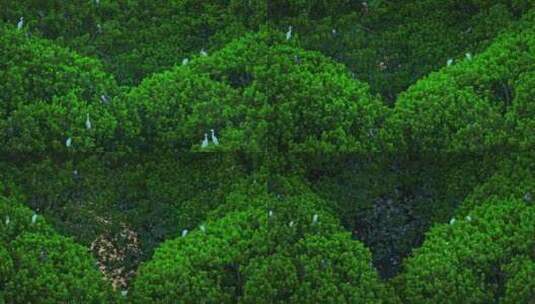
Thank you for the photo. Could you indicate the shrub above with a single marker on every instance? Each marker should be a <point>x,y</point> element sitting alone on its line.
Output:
<point>462,108</point>
<point>460,262</point>
<point>514,179</point>
<point>294,102</point>
<point>46,97</point>
<point>520,286</point>
<point>319,269</point>
<point>39,266</point>
<point>52,269</point>
<point>138,38</point>
<point>386,43</point>
<point>227,262</point>
<point>17,219</point>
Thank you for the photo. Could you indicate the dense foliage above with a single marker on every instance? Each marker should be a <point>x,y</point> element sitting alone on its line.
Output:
<point>279,255</point>
<point>462,261</point>
<point>280,151</point>
<point>40,266</point>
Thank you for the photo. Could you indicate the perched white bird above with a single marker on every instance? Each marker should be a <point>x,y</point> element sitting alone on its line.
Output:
<point>184,232</point>
<point>203,53</point>
<point>99,28</point>
<point>75,172</point>
<point>291,223</point>
<point>450,62</point>
<point>289,33</point>
<point>104,99</point>
<point>34,218</point>
<point>68,142</point>
<point>468,56</point>
<point>334,32</point>
<point>452,221</point>
<point>124,293</point>
<point>185,61</point>
<point>203,229</point>
<point>214,138</point>
<point>7,220</point>
<point>270,213</point>
<point>97,2</point>
<point>205,141</point>
<point>314,219</point>
<point>87,122</point>
<point>20,24</point>
<point>468,218</point>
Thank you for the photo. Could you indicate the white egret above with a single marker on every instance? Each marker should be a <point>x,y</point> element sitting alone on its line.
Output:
<point>104,99</point>
<point>124,293</point>
<point>289,33</point>
<point>87,122</point>
<point>68,142</point>
<point>468,56</point>
<point>20,24</point>
<point>469,218</point>
<point>365,6</point>
<point>34,218</point>
<point>203,229</point>
<point>99,28</point>
<point>203,53</point>
<point>185,61</point>
<point>184,232</point>
<point>452,221</point>
<point>270,213</point>
<point>97,2</point>
<point>314,219</point>
<point>7,220</point>
<point>214,138</point>
<point>291,224</point>
<point>450,62</point>
<point>334,32</point>
<point>205,141</point>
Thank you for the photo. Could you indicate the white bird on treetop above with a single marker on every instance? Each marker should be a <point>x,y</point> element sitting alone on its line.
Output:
<point>87,122</point>
<point>450,62</point>
<point>291,223</point>
<point>289,33</point>
<point>184,232</point>
<point>7,220</point>
<point>203,229</point>
<point>469,218</point>
<point>334,32</point>
<point>452,221</point>
<point>185,61</point>
<point>104,98</point>
<point>205,141</point>
<point>20,24</point>
<point>214,138</point>
<point>315,219</point>
<point>203,53</point>
<point>68,142</point>
<point>270,213</point>
<point>468,56</point>
<point>34,218</point>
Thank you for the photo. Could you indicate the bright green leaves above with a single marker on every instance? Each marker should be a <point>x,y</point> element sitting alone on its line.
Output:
<point>39,266</point>
<point>287,254</point>
<point>460,261</point>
